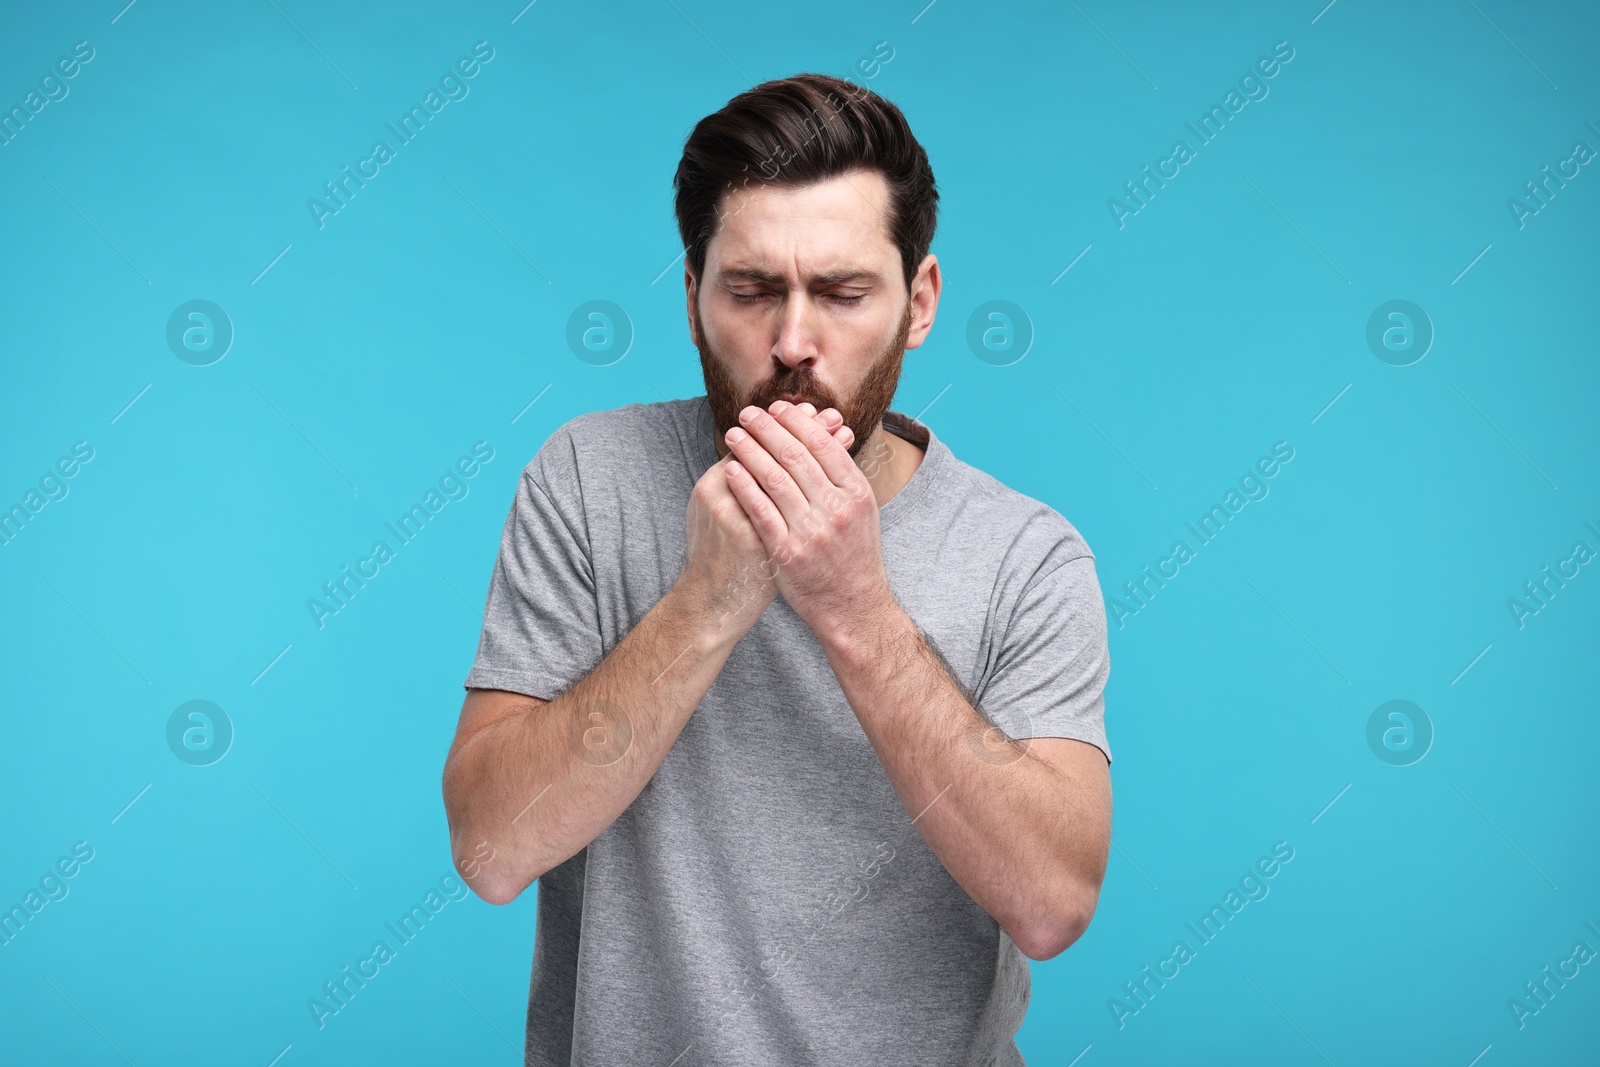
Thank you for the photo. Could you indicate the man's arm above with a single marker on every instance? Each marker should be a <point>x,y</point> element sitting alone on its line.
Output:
<point>529,783</point>
<point>1027,838</point>
<point>1023,826</point>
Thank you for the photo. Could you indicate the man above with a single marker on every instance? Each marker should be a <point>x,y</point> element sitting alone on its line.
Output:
<point>796,718</point>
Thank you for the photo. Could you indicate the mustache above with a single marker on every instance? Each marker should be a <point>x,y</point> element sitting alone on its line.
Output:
<point>803,385</point>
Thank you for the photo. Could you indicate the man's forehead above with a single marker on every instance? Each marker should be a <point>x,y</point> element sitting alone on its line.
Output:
<point>835,228</point>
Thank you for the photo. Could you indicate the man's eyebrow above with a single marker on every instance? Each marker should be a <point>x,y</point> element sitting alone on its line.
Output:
<point>756,274</point>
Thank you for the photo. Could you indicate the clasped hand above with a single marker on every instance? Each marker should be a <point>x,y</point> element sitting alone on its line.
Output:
<point>815,511</point>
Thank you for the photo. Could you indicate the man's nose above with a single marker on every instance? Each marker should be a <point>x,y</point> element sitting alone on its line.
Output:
<point>797,334</point>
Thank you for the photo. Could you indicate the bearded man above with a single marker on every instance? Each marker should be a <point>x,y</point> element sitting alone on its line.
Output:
<point>796,718</point>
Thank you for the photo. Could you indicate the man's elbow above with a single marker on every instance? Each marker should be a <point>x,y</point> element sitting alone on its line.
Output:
<point>1051,938</point>
<point>490,872</point>
<point>494,886</point>
<point>496,892</point>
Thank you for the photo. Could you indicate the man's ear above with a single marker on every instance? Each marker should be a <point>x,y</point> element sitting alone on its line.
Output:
<point>691,288</point>
<point>926,287</point>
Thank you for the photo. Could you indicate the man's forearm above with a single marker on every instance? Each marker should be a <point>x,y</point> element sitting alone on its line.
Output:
<point>1026,843</point>
<point>530,790</point>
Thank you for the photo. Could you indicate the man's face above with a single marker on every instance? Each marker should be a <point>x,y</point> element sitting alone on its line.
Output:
<point>803,300</point>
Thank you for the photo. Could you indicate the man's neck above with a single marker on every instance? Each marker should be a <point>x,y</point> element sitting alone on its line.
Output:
<point>888,460</point>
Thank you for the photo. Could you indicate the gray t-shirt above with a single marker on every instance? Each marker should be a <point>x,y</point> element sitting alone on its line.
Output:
<point>767,899</point>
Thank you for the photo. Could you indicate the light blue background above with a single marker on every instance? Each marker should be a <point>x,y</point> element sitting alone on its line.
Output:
<point>1228,315</point>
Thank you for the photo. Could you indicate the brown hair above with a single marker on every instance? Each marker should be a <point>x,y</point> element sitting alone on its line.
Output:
<point>796,131</point>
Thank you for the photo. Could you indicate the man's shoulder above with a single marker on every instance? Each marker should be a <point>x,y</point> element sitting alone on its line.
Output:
<point>636,421</point>
<point>614,438</point>
<point>1000,515</point>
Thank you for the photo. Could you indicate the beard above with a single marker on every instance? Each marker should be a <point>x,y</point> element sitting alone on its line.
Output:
<point>862,411</point>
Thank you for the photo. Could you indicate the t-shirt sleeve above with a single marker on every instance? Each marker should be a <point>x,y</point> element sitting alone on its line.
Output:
<point>1054,660</point>
<point>541,629</point>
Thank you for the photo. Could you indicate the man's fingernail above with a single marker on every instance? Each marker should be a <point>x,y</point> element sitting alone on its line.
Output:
<point>808,408</point>
<point>749,413</point>
<point>830,417</point>
<point>778,407</point>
